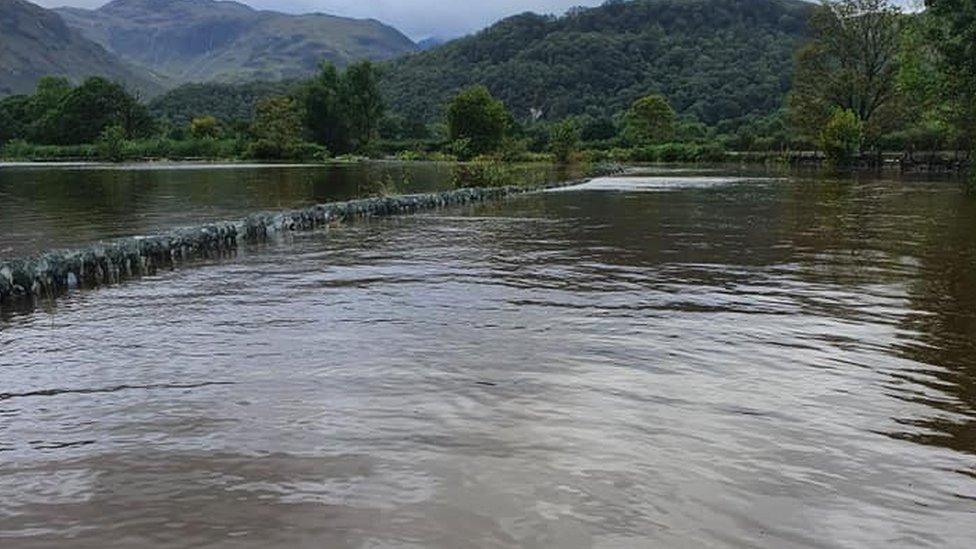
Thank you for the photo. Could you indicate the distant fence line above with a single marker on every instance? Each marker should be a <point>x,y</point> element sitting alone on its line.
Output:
<point>53,273</point>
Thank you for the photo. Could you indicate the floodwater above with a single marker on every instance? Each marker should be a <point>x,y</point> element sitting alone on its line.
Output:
<point>43,206</point>
<point>665,360</point>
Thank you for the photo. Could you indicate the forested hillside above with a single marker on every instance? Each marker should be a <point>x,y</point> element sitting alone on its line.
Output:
<point>713,59</point>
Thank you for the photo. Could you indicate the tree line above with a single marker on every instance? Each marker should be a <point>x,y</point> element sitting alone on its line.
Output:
<point>873,78</point>
<point>336,112</point>
<point>869,78</point>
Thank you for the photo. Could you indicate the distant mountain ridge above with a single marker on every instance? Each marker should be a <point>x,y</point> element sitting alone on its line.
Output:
<point>714,59</point>
<point>225,41</point>
<point>35,42</point>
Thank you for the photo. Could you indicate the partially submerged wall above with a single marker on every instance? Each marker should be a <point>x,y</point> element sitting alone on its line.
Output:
<point>52,274</point>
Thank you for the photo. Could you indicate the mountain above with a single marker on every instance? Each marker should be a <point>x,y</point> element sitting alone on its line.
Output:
<point>209,40</point>
<point>35,42</point>
<point>714,59</point>
<point>428,43</point>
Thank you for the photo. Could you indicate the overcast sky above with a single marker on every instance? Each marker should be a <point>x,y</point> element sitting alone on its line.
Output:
<point>417,18</point>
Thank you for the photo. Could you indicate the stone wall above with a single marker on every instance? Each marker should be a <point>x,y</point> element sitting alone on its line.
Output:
<point>52,274</point>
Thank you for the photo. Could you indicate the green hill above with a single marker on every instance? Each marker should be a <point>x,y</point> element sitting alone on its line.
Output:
<point>219,41</point>
<point>714,59</point>
<point>35,42</point>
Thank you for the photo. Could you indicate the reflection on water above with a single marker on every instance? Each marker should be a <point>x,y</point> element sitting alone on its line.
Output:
<point>748,362</point>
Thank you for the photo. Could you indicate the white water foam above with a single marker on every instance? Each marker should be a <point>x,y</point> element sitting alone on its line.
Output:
<point>656,184</point>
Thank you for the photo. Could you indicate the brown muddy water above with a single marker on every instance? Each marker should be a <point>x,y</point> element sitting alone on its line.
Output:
<point>665,360</point>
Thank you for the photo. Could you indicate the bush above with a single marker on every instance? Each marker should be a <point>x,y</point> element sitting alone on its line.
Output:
<point>492,173</point>
<point>22,150</point>
<point>595,156</point>
<point>513,150</point>
<point>267,149</point>
<point>841,137</point>
<point>111,144</point>
<point>667,152</point>
<point>307,152</point>
<point>205,127</point>
<point>564,140</point>
<point>460,149</point>
<point>424,156</point>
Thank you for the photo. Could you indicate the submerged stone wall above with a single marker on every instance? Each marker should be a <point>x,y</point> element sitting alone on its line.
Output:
<point>52,274</point>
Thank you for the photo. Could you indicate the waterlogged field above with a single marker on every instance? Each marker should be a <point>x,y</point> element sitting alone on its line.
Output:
<point>665,359</point>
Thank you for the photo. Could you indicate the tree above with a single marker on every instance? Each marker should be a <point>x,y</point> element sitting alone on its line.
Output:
<point>50,91</point>
<point>362,103</point>
<point>324,118</point>
<point>841,137</point>
<point>343,111</point>
<point>205,127</point>
<point>564,139</point>
<point>955,38</point>
<point>85,111</point>
<point>15,116</point>
<point>599,129</point>
<point>928,119</point>
<point>277,128</point>
<point>650,120</point>
<point>850,64</point>
<point>7,126</point>
<point>476,116</point>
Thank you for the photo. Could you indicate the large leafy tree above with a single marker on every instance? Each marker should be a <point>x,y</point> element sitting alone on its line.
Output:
<point>277,128</point>
<point>324,118</point>
<point>343,111</point>
<point>15,116</point>
<point>955,38</point>
<point>851,64</point>
<point>362,102</point>
<point>278,120</point>
<point>83,114</point>
<point>928,117</point>
<point>22,116</point>
<point>51,90</point>
<point>475,116</point>
<point>650,120</point>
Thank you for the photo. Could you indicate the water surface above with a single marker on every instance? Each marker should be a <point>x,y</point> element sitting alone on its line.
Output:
<point>667,361</point>
<point>44,206</point>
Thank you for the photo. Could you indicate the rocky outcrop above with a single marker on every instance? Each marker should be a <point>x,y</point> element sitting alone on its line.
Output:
<point>51,274</point>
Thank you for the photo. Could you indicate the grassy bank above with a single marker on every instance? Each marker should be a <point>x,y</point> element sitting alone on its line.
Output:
<point>155,149</point>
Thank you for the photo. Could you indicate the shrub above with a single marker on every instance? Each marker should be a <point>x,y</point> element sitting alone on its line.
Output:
<point>564,140</point>
<point>841,137</point>
<point>460,149</point>
<point>307,152</point>
<point>205,127</point>
<point>111,144</point>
